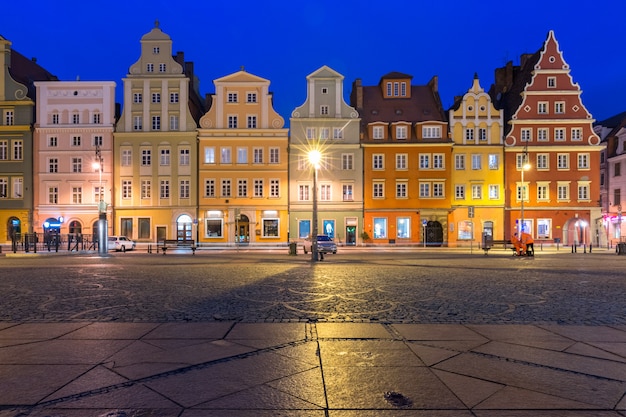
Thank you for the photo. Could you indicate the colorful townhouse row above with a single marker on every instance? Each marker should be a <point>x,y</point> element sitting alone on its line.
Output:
<point>396,167</point>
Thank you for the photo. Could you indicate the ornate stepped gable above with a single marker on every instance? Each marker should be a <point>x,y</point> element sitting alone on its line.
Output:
<point>549,94</point>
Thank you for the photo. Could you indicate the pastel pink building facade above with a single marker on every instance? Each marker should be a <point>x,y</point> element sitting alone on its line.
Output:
<point>73,155</point>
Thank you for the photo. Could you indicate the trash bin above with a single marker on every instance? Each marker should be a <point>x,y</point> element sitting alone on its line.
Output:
<point>621,248</point>
<point>293,248</point>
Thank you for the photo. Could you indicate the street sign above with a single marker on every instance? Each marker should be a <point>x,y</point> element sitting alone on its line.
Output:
<point>470,212</point>
<point>424,222</point>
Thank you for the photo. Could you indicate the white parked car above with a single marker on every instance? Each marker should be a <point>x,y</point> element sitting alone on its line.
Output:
<point>325,244</point>
<point>120,243</point>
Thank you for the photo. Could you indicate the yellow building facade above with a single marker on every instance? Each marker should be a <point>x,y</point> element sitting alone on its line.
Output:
<point>477,171</point>
<point>155,148</point>
<point>243,165</point>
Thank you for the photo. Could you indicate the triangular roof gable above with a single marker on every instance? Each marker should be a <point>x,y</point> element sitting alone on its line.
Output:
<point>325,72</point>
<point>551,58</point>
<point>241,77</point>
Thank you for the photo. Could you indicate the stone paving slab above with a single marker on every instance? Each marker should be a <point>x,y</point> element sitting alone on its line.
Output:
<point>310,370</point>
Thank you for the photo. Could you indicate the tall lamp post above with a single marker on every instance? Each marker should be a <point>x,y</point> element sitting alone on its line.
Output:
<point>102,207</point>
<point>525,167</point>
<point>314,159</point>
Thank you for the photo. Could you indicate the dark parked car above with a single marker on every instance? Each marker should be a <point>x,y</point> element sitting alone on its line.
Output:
<point>325,244</point>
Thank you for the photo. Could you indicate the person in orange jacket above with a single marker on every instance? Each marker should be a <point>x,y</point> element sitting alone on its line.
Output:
<point>517,244</point>
<point>528,244</point>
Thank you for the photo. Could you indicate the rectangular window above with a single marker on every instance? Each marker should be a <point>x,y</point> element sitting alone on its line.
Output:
<point>251,122</point>
<point>577,134</point>
<point>617,196</point>
<point>75,119</point>
<point>542,134</point>
<point>551,82</point>
<point>583,161</point>
<point>97,141</point>
<point>559,134</point>
<point>459,192</point>
<point>274,155</point>
<point>184,190</point>
<point>378,161</point>
<point>77,165</point>
<point>477,161</point>
<point>146,189</point>
<point>232,97</point>
<point>388,89</point>
<point>270,228</point>
<point>232,122</point>
<point>303,192</point>
<point>401,161</point>
<point>583,191</point>
<point>53,142</point>
<point>225,155</point>
<point>156,97</point>
<point>76,140</point>
<point>424,161</point>
<point>337,133</point>
<point>617,169</point>
<point>53,195</point>
<point>527,135</point>
<point>482,134</point>
<point>137,98</point>
<point>347,192</point>
<point>396,90</point>
<point>127,189</point>
<point>401,132</point>
<point>242,188</point>
<point>559,107</point>
<point>378,132</point>
<point>311,133</point>
<point>562,161</point>
<point>137,123</point>
<point>325,192</point>
<point>4,187</point>
<point>401,190</point>
<point>274,188</point>
<point>173,97</point>
<point>18,150</point>
<point>562,191</point>
<point>380,228</point>
<point>242,155</point>
<point>477,192</point>
<point>174,122</point>
<point>164,160</point>
<point>347,162</point>
<point>9,119</point>
<point>96,118</point>
<point>324,133</point>
<point>55,118</point>
<point>424,189</point>
<point>438,190</point>
<point>164,189</point>
<point>127,157</point>
<point>403,227</point>
<point>459,162</point>
<point>403,89</point>
<point>209,155</point>
<point>146,157</point>
<point>183,157</point>
<point>494,191</point>
<point>143,224</point>
<point>431,132</point>
<point>378,190</point>
<point>542,161</point>
<point>18,187</point>
<point>258,188</point>
<point>543,191</point>
<point>251,98</point>
<point>469,134</point>
<point>4,150</point>
<point>226,188</point>
<point>209,188</point>
<point>324,110</point>
<point>257,155</point>
<point>162,67</point>
<point>438,161</point>
<point>77,195</point>
<point>156,122</point>
<point>544,228</point>
<point>53,165</point>
<point>493,161</point>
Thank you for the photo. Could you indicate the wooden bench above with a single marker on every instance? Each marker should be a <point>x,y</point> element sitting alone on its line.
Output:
<point>164,245</point>
<point>504,243</point>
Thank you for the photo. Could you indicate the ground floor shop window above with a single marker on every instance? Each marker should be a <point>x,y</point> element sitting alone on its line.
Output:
<point>126,227</point>
<point>270,227</point>
<point>304,229</point>
<point>544,228</point>
<point>380,228</point>
<point>214,228</point>
<point>404,228</point>
<point>466,230</point>
<point>329,228</point>
<point>144,228</point>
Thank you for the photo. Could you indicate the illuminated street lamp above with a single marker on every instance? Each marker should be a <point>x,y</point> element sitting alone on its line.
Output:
<point>525,167</point>
<point>102,207</point>
<point>314,159</point>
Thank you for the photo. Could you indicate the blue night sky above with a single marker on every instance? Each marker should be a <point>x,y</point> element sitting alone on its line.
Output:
<point>285,40</point>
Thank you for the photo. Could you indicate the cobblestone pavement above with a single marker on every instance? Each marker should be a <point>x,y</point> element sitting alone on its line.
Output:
<point>353,286</point>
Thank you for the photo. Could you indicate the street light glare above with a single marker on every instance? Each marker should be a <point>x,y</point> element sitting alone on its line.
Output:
<point>315,157</point>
